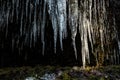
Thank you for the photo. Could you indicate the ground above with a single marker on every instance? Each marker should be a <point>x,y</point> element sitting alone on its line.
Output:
<point>111,72</point>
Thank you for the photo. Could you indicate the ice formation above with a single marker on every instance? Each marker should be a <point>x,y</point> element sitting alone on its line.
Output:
<point>93,19</point>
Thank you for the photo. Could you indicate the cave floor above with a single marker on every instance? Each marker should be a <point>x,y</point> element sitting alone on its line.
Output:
<point>38,72</point>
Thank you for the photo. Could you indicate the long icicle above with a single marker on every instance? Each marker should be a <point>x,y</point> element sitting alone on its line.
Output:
<point>61,17</point>
<point>53,15</point>
<point>43,27</point>
<point>73,22</point>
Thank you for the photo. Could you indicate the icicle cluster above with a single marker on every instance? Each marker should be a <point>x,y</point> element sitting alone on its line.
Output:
<point>57,12</point>
<point>98,31</point>
<point>95,20</point>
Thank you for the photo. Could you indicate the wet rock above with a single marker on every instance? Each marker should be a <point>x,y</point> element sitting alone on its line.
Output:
<point>76,74</point>
<point>97,73</point>
<point>59,73</point>
<point>31,78</point>
<point>47,76</point>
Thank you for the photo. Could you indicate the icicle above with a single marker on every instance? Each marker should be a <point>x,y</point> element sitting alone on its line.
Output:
<point>21,24</point>
<point>3,15</point>
<point>30,14</point>
<point>7,17</point>
<point>39,2</point>
<point>43,27</point>
<point>13,6</point>
<point>55,33</point>
<point>27,3</point>
<point>101,37</point>
<point>35,23</point>
<point>73,22</point>
<point>90,28</point>
<point>58,17</point>
<point>61,17</point>
<point>17,8</point>
<point>7,14</point>
<point>52,12</point>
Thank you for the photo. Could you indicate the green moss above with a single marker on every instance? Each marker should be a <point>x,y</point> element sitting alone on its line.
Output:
<point>92,77</point>
<point>102,78</point>
<point>65,76</point>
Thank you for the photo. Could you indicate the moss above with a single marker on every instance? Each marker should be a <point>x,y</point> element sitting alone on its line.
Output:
<point>102,78</point>
<point>92,77</point>
<point>65,76</point>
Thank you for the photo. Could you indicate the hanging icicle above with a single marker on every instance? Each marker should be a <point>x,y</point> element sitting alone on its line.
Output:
<point>43,27</point>
<point>53,15</point>
<point>73,22</point>
<point>62,17</point>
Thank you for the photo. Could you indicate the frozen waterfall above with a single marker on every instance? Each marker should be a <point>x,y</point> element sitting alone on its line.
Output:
<point>94,20</point>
